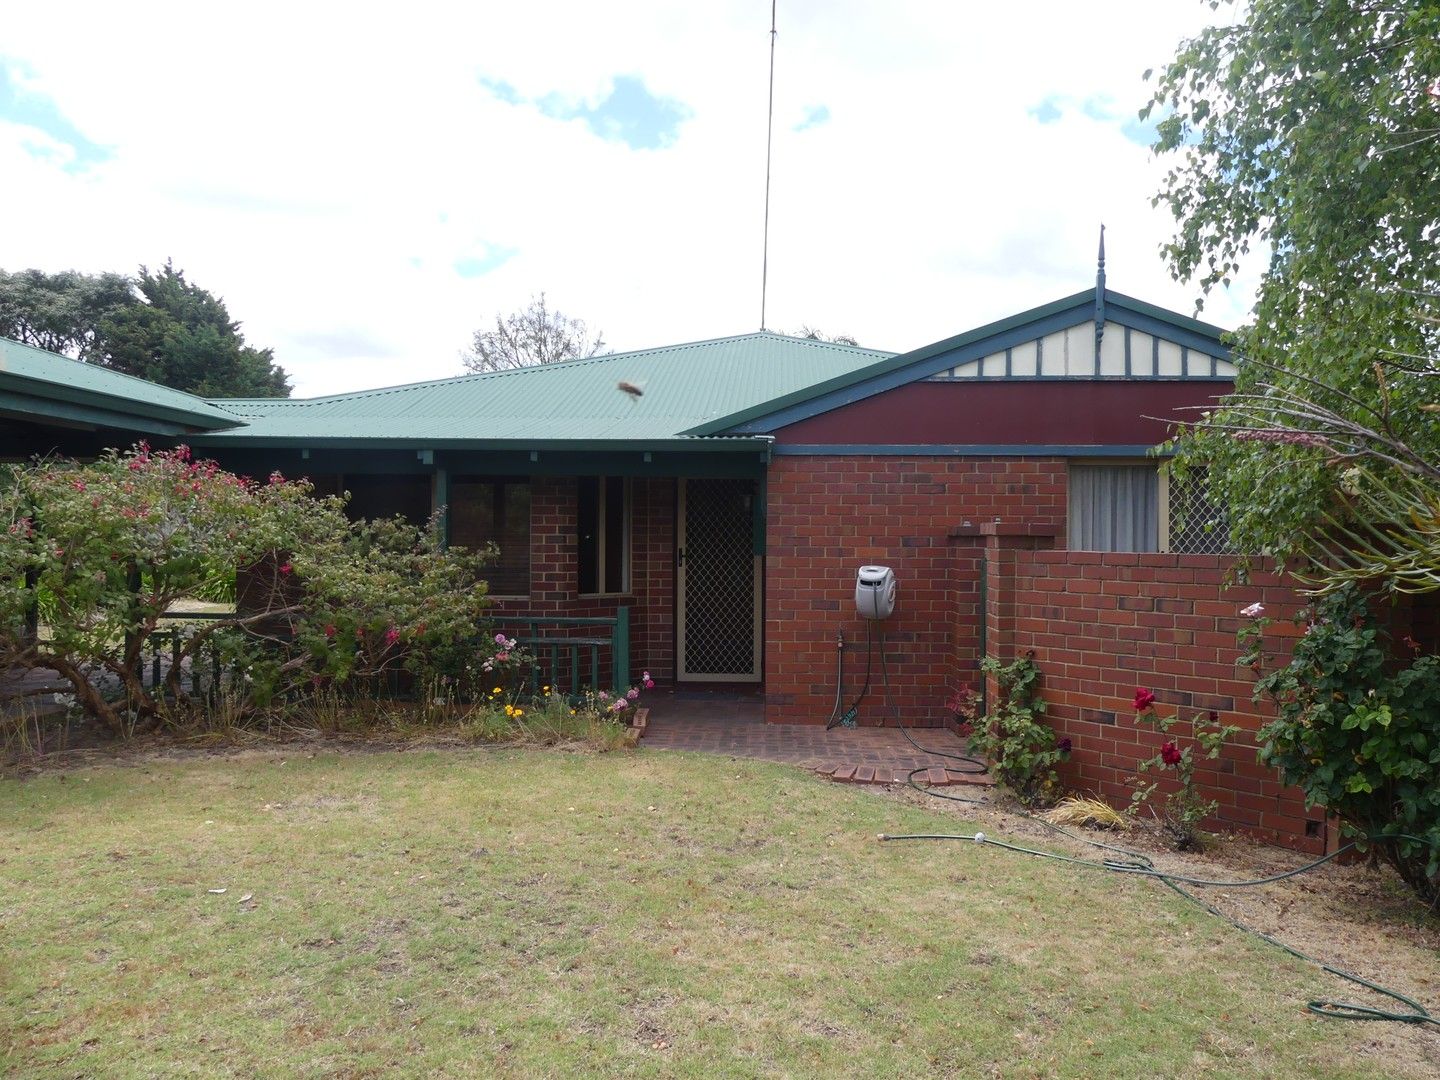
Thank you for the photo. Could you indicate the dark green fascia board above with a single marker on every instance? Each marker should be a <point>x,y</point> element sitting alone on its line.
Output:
<point>40,392</point>
<point>723,445</point>
<point>1118,450</point>
<point>293,461</point>
<point>1173,319</point>
<point>39,410</point>
<point>972,344</point>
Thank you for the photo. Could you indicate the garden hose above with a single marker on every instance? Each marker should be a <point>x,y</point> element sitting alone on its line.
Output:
<point>834,717</point>
<point>847,719</point>
<point>1135,862</point>
<point>1139,863</point>
<point>978,767</point>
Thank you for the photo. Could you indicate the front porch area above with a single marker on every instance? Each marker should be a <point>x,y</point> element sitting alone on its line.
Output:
<point>733,725</point>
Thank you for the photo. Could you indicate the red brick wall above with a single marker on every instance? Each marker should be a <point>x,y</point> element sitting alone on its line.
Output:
<point>554,577</point>
<point>1102,625</point>
<point>827,516</point>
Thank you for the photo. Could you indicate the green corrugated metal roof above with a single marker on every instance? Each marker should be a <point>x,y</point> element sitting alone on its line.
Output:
<point>575,401</point>
<point>41,377</point>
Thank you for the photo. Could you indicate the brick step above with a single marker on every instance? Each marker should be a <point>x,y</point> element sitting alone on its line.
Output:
<point>887,774</point>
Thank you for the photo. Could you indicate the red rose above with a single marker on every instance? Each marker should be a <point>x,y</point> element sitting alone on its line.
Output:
<point>1170,754</point>
<point>1144,699</point>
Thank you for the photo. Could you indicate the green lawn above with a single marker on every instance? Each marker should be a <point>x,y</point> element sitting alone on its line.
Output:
<point>523,913</point>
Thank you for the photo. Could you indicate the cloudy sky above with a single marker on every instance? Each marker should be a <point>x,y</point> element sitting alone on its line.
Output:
<point>366,184</point>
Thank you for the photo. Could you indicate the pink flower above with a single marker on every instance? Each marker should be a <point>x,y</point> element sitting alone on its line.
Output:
<point>500,640</point>
<point>620,704</point>
<point>1254,611</point>
<point>649,684</point>
<point>645,676</point>
<point>604,696</point>
<point>329,630</point>
<point>502,656</point>
<point>286,569</point>
<point>1144,699</point>
<point>392,636</point>
<point>632,693</point>
<point>78,485</point>
<point>1170,754</point>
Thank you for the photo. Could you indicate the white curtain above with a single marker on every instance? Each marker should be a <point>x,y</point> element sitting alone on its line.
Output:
<point>1114,507</point>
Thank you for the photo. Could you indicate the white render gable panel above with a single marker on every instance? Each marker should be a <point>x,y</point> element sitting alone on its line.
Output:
<point>1070,353</point>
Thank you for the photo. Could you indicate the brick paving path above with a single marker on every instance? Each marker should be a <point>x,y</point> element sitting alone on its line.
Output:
<point>867,755</point>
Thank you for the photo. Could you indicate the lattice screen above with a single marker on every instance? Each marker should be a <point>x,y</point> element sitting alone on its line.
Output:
<point>719,578</point>
<point>1197,525</point>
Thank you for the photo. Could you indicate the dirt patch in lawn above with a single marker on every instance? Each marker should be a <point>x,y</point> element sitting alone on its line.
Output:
<point>1355,916</point>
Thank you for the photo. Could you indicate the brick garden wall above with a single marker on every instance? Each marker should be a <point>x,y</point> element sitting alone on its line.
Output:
<point>829,515</point>
<point>1102,625</point>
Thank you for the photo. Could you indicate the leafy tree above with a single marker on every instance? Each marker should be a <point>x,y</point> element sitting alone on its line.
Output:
<point>181,335</point>
<point>60,312</point>
<point>536,335</point>
<point>158,327</point>
<point>1312,129</point>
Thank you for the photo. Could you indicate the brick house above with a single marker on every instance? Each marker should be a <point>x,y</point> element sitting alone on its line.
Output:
<point>1002,473</point>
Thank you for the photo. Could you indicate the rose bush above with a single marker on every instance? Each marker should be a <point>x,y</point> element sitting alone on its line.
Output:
<point>1358,730</point>
<point>1184,807</point>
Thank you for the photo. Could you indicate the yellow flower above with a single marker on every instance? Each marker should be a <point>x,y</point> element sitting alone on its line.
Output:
<point>572,712</point>
<point>519,712</point>
<point>495,691</point>
<point>509,710</point>
<point>545,689</point>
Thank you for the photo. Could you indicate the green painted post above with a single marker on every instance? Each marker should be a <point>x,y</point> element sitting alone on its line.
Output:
<point>620,648</point>
<point>442,502</point>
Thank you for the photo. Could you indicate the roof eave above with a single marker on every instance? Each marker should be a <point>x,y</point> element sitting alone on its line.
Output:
<point>45,396</point>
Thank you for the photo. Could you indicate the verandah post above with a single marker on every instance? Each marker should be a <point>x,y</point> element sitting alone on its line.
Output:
<point>620,648</point>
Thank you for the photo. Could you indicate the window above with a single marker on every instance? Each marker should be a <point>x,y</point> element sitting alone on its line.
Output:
<point>1193,524</point>
<point>603,542</point>
<point>1114,506</point>
<point>495,510</point>
<point>1134,506</point>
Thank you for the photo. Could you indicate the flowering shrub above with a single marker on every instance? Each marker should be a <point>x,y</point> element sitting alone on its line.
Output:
<point>1022,751</point>
<point>549,717</point>
<point>1184,808</point>
<point>113,545</point>
<point>1358,730</point>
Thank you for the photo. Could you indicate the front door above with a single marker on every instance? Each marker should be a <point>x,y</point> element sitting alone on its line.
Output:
<point>717,582</point>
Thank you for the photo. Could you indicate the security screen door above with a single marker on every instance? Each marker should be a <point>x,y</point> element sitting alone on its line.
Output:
<point>717,582</point>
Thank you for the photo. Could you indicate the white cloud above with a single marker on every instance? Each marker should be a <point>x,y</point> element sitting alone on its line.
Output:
<point>327,173</point>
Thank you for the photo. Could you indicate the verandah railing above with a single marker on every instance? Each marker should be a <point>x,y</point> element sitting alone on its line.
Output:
<point>571,655</point>
<point>570,652</point>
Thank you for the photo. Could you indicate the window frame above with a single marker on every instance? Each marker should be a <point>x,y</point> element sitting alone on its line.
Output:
<point>500,481</point>
<point>1161,501</point>
<point>602,538</point>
